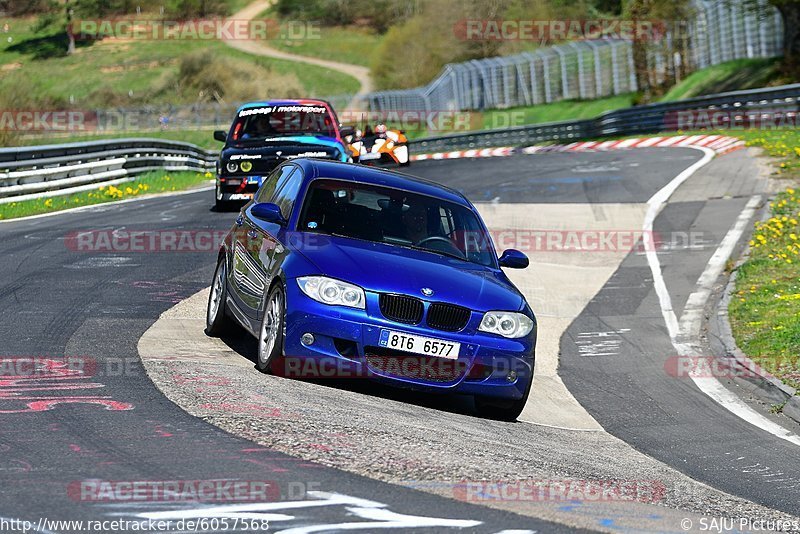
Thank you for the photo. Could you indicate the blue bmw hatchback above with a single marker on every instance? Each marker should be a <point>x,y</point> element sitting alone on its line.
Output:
<point>341,270</point>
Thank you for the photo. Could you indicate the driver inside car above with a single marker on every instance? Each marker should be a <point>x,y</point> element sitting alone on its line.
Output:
<point>260,127</point>
<point>415,222</point>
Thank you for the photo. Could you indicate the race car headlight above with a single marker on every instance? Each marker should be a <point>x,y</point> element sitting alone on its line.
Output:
<point>506,324</point>
<point>334,292</point>
<point>232,167</point>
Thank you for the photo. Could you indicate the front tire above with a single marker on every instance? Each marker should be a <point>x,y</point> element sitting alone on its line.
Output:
<point>502,409</point>
<point>270,334</point>
<point>217,321</point>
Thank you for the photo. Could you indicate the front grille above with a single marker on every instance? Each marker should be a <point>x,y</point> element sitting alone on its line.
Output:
<point>401,309</point>
<point>447,317</point>
<point>412,366</point>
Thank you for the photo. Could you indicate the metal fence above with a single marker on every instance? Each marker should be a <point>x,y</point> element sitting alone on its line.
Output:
<point>588,69</point>
<point>42,171</point>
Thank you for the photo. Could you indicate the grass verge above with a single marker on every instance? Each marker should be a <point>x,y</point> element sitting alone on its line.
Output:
<point>734,75</point>
<point>765,310</point>
<point>556,111</point>
<point>347,44</point>
<point>152,182</point>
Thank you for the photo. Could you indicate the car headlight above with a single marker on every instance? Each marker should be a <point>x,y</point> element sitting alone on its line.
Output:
<point>334,292</point>
<point>507,324</point>
<point>232,167</point>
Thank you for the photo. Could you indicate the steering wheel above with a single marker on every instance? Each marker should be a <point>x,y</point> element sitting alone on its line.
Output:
<point>439,239</point>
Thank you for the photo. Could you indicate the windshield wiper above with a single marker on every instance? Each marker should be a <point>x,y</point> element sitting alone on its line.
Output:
<point>440,252</point>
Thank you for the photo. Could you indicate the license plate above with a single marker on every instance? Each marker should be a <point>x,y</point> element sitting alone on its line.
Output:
<point>427,346</point>
<point>370,156</point>
<point>253,180</point>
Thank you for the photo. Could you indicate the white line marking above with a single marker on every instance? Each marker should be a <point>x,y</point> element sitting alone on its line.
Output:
<point>654,207</point>
<point>708,385</point>
<point>690,322</point>
<point>377,513</point>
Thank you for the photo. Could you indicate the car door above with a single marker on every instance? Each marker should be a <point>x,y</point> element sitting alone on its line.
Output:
<point>274,235</point>
<point>251,251</point>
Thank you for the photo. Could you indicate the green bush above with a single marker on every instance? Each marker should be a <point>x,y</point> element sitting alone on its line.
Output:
<point>18,8</point>
<point>377,15</point>
<point>206,77</point>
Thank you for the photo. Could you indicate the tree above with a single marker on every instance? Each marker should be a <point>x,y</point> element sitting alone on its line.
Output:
<point>17,8</point>
<point>666,18</point>
<point>790,13</point>
<point>61,14</point>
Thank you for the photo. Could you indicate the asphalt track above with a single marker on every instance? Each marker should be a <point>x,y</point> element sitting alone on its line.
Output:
<point>60,302</point>
<point>635,388</point>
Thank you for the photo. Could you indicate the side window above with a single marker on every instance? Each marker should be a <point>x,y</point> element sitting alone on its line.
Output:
<point>272,182</point>
<point>282,180</point>
<point>446,219</point>
<point>287,194</point>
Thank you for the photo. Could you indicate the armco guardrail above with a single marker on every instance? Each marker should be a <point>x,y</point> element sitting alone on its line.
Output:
<point>40,171</point>
<point>761,107</point>
<point>33,172</point>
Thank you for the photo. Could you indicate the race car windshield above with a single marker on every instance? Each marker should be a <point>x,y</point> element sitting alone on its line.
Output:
<point>396,217</point>
<point>281,121</point>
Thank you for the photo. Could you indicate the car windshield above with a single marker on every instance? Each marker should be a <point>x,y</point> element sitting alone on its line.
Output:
<point>277,121</point>
<point>396,217</point>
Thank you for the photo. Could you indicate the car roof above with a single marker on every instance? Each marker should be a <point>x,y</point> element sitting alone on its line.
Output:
<point>285,102</point>
<point>336,170</point>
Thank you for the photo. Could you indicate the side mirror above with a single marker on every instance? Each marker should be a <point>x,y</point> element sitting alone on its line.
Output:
<point>514,259</point>
<point>221,135</point>
<point>344,131</point>
<point>267,211</point>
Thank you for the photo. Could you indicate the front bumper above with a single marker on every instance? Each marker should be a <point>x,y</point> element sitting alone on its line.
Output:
<point>346,345</point>
<point>237,188</point>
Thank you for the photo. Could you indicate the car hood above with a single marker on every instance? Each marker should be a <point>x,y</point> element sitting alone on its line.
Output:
<point>386,268</point>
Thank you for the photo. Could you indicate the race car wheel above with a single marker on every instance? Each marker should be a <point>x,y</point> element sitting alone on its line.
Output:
<point>217,321</point>
<point>270,335</point>
<point>502,409</point>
